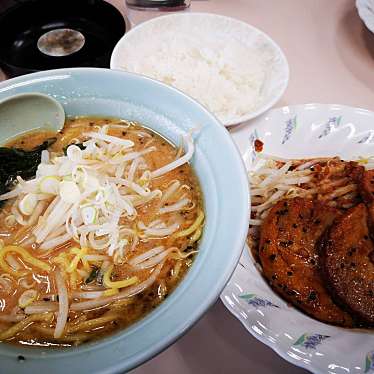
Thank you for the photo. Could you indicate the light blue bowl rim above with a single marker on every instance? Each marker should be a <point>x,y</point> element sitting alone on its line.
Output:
<point>109,355</point>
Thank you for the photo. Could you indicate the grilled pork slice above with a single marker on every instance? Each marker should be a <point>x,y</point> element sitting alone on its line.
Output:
<point>288,253</point>
<point>366,186</point>
<point>366,189</point>
<point>348,263</point>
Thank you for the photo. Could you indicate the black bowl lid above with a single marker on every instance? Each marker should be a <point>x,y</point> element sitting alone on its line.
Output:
<point>51,34</point>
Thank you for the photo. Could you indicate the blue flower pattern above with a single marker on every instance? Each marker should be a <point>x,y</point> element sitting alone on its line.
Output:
<point>332,123</point>
<point>291,124</point>
<point>366,138</point>
<point>256,301</point>
<point>369,362</point>
<point>290,127</point>
<point>310,341</point>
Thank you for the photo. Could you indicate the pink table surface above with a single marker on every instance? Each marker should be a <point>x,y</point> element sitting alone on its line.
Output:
<point>331,58</point>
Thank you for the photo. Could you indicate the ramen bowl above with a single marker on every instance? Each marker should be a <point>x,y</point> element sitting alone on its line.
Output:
<point>216,162</point>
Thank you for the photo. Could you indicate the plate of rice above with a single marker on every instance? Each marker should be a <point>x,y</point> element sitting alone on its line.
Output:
<point>235,70</point>
<point>293,153</point>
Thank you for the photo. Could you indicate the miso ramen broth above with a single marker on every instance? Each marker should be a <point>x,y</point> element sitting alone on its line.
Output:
<point>99,236</point>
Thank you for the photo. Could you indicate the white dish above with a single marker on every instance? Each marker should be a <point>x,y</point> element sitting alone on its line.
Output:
<point>207,27</point>
<point>365,10</point>
<point>294,132</point>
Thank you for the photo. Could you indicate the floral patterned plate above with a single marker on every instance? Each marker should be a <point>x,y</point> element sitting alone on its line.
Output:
<point>293,132</point>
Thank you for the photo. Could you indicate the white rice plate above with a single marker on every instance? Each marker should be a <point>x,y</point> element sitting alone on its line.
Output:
<point>230,67</point>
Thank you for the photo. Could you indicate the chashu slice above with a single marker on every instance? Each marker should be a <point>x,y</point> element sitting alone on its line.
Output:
<point>366,186</point>
<point>366,189</point>
<point>348,263</point>
<point>289,256</point>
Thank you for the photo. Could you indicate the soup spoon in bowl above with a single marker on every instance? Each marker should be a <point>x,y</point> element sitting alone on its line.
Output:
<point>29,111</point>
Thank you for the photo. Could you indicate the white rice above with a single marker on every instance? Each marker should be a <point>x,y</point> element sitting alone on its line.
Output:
<point>219,71</point>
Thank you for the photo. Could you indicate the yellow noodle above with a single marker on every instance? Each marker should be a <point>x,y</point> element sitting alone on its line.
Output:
<point>118,284</point>
<point>25,255</point>
<point>199,220</point>
<point>92,323</point>
<point>48,331</point>
<point>78,320</point>
<point>15,329</point>
<point>79,253</point>
<point>196,236</point>
<point>176,269</point>
<point>118,305</point>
